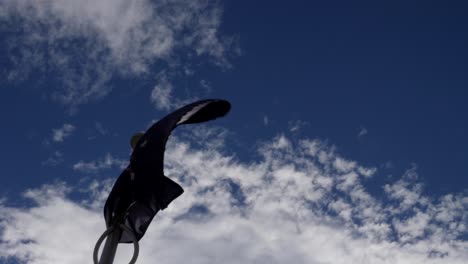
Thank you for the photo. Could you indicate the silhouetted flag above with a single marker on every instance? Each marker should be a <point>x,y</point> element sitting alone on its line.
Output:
<point>142,189</point>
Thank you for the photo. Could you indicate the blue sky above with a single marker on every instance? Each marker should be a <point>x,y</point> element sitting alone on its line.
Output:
<point>365,99</point>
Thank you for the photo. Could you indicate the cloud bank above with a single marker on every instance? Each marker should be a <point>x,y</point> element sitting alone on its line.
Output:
<point>299,201</point>
<point>82,44</point>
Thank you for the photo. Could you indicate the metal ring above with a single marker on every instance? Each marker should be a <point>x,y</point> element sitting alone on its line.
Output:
<point>136,247</point>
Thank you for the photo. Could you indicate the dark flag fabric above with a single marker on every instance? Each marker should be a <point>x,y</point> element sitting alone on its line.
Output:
<point>142,189</point>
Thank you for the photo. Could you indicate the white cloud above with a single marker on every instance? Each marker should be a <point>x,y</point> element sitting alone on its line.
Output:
<point>343,165</point>
<point>406,191</point>
<point>290,205</point>
<point>83,44</point>
<point>413,227</point>
<point>55,230</point>
<point>96,166</point>
<point>59,134</point>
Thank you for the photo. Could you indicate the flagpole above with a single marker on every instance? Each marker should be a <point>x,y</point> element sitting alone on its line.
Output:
<point>110,248</point>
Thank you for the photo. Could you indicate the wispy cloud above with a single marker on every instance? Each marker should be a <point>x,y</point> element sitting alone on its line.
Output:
<point>59,134</point>
<point>161,96</point>
<point>300,201</point>
<point>265,120</point>
<point>55,159</point>
<point>206,85</point>
<point>100,128</point>
<point>83,44</point>
<point>388,165</point>
<point>107,162</point>
<point>362,131</point>
<point>206,137</point>
<point>296,125</point>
